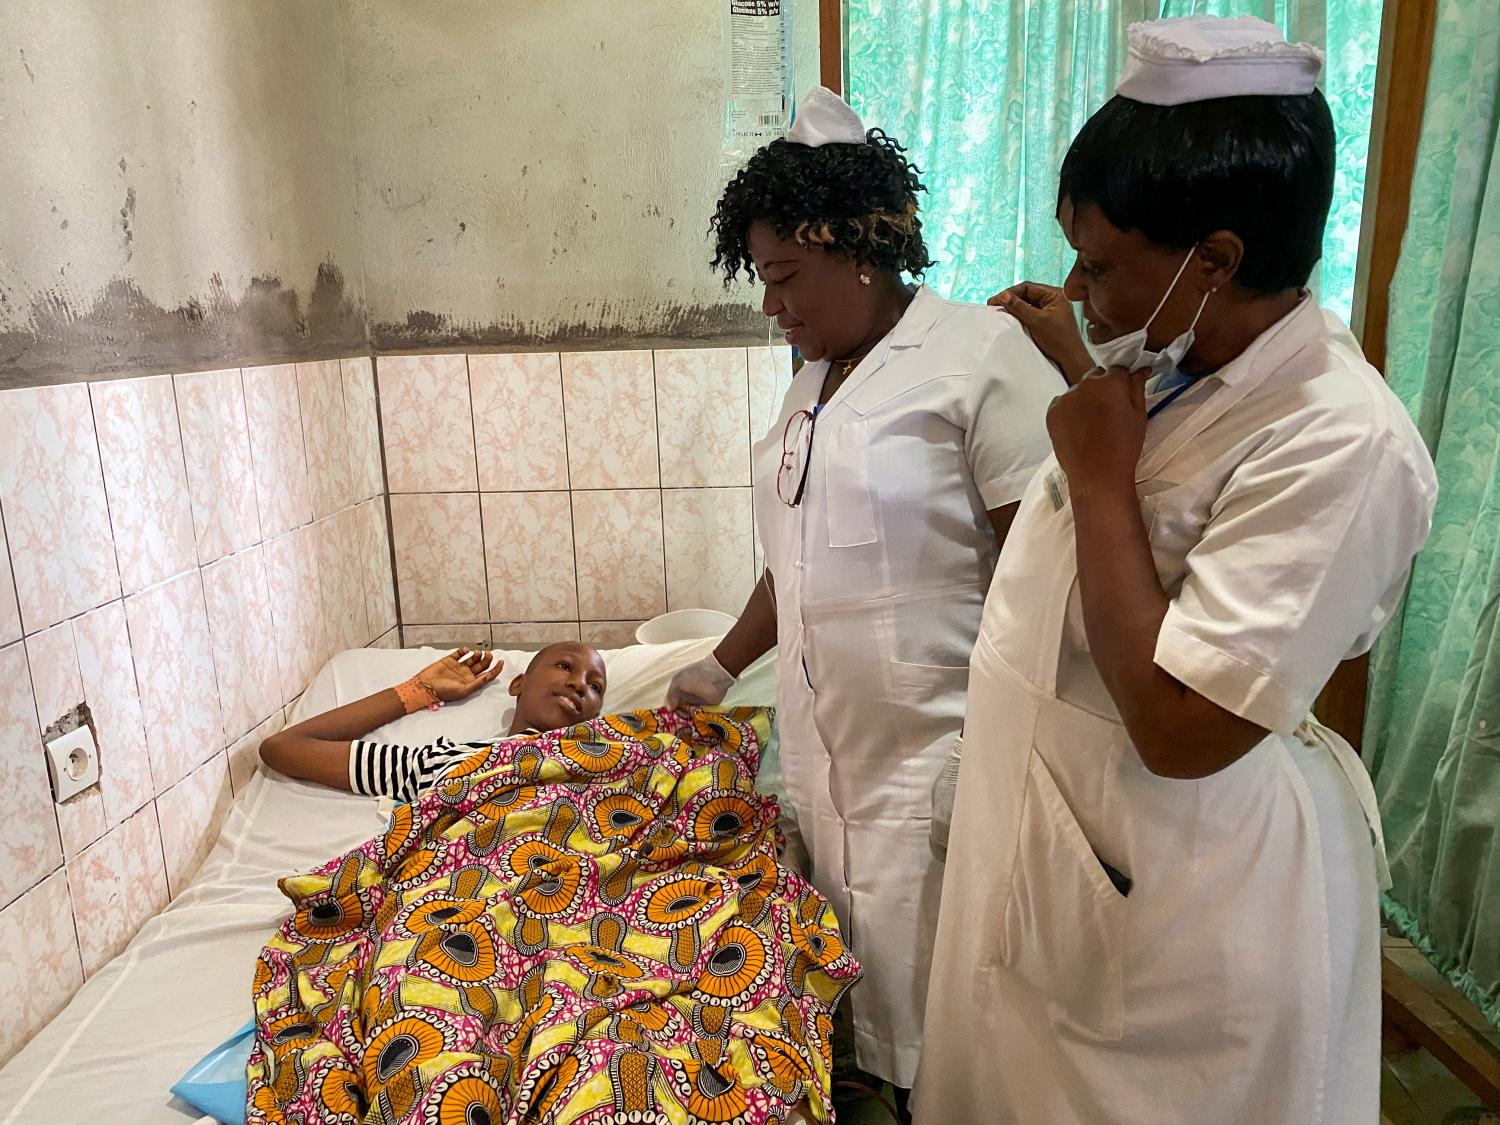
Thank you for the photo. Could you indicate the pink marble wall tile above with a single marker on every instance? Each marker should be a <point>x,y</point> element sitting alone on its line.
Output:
<point>244,755</point>
<point>439,558</point>
<point>191,814</point>
<point>107,668</point>
<point>55,683</point>
<point>429,431</point>
<point>276,448</point>
<point>39,964</point>
<point>375,556</point>
<point>366,471</point>
<point>710,554</point>
<point>700,417</point>
<point>238,597</point>
<point>610,400</point>
<point>341,576</point>
<point>57,687</point>
<point>770,376</point>
<point>117,885</point>
<point>518,422</point>
<point>56,515</point>
<point>174,668</point>
<point>216,447</point>
<point>145,479</point>
<point>391,639</point>
<point>325,430</point>
<point>10,613</point>
<point>445,636</point>
<point>302,645</point>
<point>610,634</point>
<point>531,636</point>
<point>29,844</point>
<point>528,547</point>
<point>618,537</point>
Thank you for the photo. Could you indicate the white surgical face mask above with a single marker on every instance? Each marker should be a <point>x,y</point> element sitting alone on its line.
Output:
<point>1130,351</point>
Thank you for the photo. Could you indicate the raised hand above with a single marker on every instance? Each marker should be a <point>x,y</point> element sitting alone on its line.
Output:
<point>461,673</point>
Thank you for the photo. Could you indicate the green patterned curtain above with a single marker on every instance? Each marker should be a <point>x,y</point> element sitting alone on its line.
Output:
<point>1433,733</point>
<point>989,93</point>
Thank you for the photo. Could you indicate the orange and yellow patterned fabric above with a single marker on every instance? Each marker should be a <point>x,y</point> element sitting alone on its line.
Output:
<point>583,927</point>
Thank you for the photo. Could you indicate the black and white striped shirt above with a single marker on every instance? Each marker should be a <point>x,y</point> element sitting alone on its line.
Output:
<point>404,773</point>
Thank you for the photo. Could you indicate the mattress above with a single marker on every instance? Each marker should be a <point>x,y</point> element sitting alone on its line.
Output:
<point>183,984</point>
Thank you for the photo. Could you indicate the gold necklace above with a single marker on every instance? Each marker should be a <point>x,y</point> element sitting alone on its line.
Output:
<point>847,366</point>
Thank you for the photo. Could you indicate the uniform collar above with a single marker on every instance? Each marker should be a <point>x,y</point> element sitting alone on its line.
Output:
<point>911,330</point>
<point>1267,354</point>
<point>1276,344</point>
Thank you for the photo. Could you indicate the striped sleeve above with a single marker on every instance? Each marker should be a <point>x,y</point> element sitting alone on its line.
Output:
<point>402,773</point>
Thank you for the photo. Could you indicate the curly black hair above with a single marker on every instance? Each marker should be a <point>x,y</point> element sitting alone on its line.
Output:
<point>857,200</point>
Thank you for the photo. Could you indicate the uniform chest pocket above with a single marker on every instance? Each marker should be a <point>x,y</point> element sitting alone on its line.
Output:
<point>848,498</point>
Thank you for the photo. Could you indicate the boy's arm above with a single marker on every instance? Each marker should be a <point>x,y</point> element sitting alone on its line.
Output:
<point>317,749</point>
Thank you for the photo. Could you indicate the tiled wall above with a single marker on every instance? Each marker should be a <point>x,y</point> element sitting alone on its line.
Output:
<point>537,497</point>
<point>180,554</point>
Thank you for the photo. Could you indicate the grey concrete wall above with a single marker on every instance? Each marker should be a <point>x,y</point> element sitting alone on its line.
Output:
<point>213,182</point>
<point>177,188</point>
<point>543,173</point>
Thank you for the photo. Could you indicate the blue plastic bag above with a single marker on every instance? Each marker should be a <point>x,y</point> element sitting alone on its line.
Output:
<point>216,1083</point>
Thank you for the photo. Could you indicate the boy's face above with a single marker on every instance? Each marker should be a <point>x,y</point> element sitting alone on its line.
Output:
<point>564,685</point>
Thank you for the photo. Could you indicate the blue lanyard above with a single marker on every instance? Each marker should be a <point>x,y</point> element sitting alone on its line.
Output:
<point>1171,397</point>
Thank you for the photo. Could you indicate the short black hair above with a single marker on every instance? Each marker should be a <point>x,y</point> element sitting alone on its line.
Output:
<point>1261,167</point>
<point>857,200</point>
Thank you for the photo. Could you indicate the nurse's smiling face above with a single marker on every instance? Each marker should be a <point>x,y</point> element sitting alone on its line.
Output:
<point>1120,276</point>
<point>815,296</point>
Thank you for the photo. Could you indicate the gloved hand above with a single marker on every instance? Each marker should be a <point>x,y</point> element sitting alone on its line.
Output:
<point>944,790</point>
<point>704,683</point>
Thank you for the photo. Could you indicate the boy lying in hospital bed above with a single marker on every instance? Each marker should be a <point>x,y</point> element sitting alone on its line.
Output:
<point>583,921</point>
<point>563,685</point>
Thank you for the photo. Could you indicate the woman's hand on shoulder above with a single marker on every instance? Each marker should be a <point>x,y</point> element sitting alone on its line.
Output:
<point>461,673</point>
<point>1047,315</point>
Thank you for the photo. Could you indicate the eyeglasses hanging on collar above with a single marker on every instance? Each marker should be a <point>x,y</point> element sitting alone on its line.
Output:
<point>797,439</point>
<point>796,456</point>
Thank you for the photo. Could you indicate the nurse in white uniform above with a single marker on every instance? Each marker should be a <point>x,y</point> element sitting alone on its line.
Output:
<point>882,492</point>
<point>1160,903</point>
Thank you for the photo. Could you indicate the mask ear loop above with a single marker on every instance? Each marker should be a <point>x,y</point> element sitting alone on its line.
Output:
<point>1164,297</point>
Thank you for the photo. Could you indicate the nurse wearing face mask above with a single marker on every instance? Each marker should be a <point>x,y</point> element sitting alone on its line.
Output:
<point>1160,900</point>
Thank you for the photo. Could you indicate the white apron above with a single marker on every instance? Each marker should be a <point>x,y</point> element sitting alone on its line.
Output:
<point>1234,984</point>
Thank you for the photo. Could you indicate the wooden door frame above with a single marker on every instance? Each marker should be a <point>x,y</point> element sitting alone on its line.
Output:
<point>831,45</point>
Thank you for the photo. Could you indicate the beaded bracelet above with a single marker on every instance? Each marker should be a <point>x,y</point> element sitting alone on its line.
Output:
<point>416,695</point>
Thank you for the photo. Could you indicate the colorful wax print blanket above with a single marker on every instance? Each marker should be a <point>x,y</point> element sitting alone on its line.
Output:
<point>583,926</point>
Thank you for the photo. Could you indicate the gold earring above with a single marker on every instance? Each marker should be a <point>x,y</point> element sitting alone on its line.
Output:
<point>864,279</point>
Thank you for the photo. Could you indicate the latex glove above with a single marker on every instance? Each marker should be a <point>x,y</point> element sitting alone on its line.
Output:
<point>704,683</point>
<point>944,790</point>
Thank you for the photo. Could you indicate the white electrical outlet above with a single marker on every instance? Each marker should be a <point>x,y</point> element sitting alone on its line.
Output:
<point>73,762</point>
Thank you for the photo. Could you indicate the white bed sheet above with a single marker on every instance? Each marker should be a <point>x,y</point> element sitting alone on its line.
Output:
<point>183,984</point>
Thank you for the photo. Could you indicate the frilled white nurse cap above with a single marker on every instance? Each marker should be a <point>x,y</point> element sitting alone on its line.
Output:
<point>1193,59</point>
<point>824,118</point>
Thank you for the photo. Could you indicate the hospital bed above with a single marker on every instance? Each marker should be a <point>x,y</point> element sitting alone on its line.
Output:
<point>183,984</point>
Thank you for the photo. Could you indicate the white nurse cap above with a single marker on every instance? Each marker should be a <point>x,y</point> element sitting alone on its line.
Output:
<point>1195,58</point>
<point>824,118</point>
